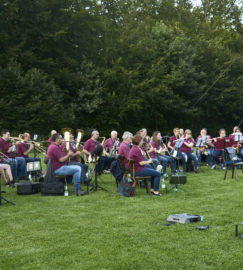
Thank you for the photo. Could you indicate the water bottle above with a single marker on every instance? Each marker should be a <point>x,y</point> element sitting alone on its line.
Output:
<point>129,179</point>
<point>163,186</point>
<point>66,190</point>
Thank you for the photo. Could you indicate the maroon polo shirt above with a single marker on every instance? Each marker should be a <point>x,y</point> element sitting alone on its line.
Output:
<point>55,153</point>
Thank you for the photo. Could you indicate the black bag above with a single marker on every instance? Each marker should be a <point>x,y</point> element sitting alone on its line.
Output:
<point>189,166</point>
<point>55,188</point>
<point>124,189</point>
<point>51,186</point>
<point>229,154</point>
<point>26,187</point>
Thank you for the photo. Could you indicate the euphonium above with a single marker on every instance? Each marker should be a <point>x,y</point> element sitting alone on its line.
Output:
<point>80,134</point>
<point>66,135</point>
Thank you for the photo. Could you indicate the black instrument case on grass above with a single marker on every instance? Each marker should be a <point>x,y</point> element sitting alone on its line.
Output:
<point>26,187</point>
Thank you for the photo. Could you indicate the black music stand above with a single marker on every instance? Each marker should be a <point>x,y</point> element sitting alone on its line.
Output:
<point>96,186</point>
<point>2,198</point>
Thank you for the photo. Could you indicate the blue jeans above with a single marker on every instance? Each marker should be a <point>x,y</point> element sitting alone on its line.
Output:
<point>73,170</point>
<point>209,156</point>
<point>164,160</point>
<point>155,177</point>
<point>216,155</point>
<point>186,156</point>
<point>18,167</point>
<point>241,153</point>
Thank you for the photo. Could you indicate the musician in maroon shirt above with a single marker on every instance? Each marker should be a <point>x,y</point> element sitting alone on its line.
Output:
<point>158,149</point>
<point>124,148</point>
<point>17,164</point>
<point>74,158</point>
<point>173,139</point>
<point>186,150</point>
<point>220,144</point>
<point>24,148</point>
<point>209,149</point>
<point>140,163</point>
<point>50,138</point>
<point>60,165</point>
<point>110,143</point>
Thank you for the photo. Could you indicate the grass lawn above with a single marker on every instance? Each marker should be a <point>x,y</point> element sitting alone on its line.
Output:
<point>106,231</point>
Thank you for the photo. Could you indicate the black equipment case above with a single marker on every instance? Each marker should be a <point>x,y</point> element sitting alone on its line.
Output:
<point>53,188</point>
<point>26,187</point>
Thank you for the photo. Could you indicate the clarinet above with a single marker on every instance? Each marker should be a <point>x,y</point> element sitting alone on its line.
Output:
<point>148,155</point>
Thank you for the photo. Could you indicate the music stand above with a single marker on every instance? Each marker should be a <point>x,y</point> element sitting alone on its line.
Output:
<point>96,186</point>
<point>2,198</point>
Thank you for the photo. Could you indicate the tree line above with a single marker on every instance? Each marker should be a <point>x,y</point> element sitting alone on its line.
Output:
<point>120,64</point>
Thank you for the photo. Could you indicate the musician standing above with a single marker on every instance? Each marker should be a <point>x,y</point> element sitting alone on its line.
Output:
<point>17,164</point>
<point>186,150</point>
<point>124,148</point>
<point>140,163</point>
<point>60,166</point>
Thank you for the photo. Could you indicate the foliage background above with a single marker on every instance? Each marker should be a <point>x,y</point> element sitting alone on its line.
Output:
<point>120,65</point>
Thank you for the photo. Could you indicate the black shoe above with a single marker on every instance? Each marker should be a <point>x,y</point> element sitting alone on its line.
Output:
<point>81,192</point>
<point>8,184</point>
<point>196,171</point>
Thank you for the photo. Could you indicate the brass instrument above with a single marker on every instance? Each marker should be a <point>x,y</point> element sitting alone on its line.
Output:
<point>103,140</point>
<point>66,135</point>
<point>80,134</point>
<point>114,148</point>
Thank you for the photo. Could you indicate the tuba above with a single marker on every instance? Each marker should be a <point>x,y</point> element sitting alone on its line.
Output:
<point>66,135</point>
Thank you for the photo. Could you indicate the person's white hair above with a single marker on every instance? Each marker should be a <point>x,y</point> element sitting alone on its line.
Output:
<point>113,132</point>
<point>126,135</point>
<point>93,132</point>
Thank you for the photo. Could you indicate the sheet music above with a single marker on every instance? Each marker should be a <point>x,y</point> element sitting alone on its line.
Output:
<point>179,143</point>
<point>238,137</point>
<point>202,141</point>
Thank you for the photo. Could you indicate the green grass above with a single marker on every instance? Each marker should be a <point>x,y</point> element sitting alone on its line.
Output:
<point>106,231</point>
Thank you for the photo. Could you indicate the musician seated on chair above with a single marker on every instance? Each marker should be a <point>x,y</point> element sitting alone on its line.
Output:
<point>181,133</point>
<point>111,145</point>
<point>89,148</point>
<point>17,164</point>
<point>173,139</point>
<point>186,150</point>
<point>237,144</point>
<point>7,168</point>
<point>52,133</point>
<point>140,163</point>
<point>205,148</point>
<point>219,146</point>
<point>157,153</point>
<point>60,166</point>
<point>25,147</point>
<point>74,159</point>
<point>124,148</point>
